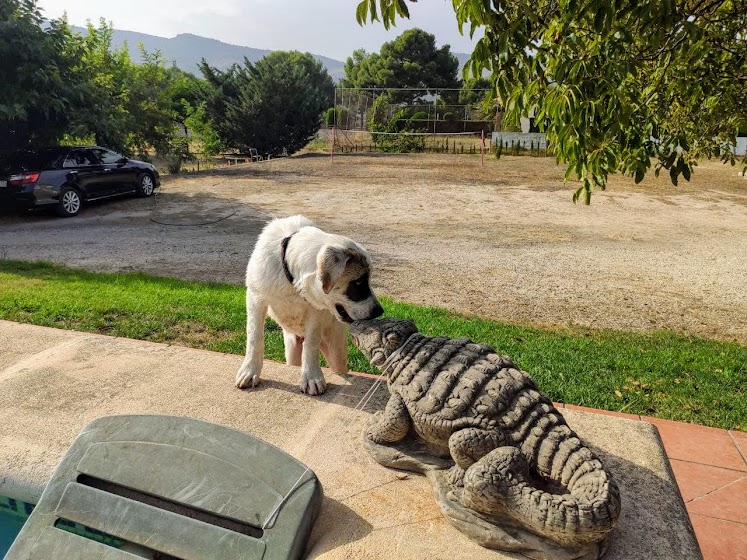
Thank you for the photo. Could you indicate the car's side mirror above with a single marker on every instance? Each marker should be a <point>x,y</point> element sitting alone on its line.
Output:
<point>123,159</point>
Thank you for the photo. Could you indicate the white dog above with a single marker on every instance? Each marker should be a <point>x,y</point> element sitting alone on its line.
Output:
<point>311,283</point>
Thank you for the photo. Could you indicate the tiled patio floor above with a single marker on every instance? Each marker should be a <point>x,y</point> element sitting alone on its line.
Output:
<point>710,466</point>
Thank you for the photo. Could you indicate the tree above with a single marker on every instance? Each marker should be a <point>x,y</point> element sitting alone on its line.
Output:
<point>62,86</point>
<point>187,94</point>
<point>127,107</point>
<point>273,105</point>
<point>409,61</point>
<point>35,72</point>
<point>623,86</point>
<point>476,90</point>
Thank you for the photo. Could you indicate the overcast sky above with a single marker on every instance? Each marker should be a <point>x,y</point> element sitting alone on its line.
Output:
<point>324,27</point>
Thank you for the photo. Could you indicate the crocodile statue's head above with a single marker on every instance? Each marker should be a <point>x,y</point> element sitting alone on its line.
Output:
<point>380,338</point>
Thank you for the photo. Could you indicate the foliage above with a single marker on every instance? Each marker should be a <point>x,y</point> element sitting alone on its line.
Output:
<point>409,61</point>
<point>176,151</point>
<point>378,114</point>
<point>476,90</point>
<point>479,94</point>
<point>129,106</point>
<point>186,92</point>
<point>64,86</point>
<point>201,128</point>
<point>273,105</point>
<point>37,90</point>
<point>625,86</point>
<point>658,374</point>
<point>338,115</point>
<point>384,129</point>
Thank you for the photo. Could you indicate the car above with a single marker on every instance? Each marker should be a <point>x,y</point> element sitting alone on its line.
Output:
<point>64,177</point>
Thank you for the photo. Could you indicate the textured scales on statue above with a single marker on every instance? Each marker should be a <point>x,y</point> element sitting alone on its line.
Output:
<point>506,468</point>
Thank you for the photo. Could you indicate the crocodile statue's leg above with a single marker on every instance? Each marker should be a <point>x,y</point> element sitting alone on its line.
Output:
<point>500,485</point>
<point>491,484</point>
<point>392,424</point>
<point>467,446</point>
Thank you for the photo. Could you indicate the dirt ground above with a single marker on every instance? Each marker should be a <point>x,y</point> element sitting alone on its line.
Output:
<point>502,241</point>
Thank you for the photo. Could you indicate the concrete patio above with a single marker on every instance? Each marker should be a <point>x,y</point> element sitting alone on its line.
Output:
<point>54,382</point>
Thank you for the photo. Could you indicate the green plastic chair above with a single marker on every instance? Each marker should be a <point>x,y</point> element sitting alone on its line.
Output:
<point>161,487</point>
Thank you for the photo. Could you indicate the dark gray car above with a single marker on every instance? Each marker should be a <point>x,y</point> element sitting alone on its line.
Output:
<point>65,177</point>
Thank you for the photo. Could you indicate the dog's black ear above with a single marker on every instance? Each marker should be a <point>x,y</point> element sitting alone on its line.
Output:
<point>330,264</point>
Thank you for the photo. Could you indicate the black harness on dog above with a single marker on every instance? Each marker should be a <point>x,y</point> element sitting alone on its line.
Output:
<point>283,249</point>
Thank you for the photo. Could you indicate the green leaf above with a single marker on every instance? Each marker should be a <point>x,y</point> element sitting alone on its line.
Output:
<point>577,194</point>
<point>403,10</point>
<point>361,13</point>
<point>373,12</point>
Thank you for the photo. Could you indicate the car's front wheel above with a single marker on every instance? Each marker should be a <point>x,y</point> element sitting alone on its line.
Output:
<point>69,203</point>
<point>145,185</point>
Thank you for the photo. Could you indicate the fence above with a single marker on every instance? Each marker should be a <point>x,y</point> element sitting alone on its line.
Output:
<point>347,141</point>
<point>515,142</point>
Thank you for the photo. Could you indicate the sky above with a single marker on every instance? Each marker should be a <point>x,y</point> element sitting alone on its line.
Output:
<point>322,27</point>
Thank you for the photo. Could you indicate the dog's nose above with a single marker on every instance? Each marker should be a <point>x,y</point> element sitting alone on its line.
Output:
<point>377,311</point>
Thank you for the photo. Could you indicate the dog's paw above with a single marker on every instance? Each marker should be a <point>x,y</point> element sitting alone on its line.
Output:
<point>313,383</point>
<point>248,377</point>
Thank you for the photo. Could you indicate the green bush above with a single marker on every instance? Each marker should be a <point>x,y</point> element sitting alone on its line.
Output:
<point>176,152</point>
<point>341,114</point>
<point>274,105</point>
<point>399,143</point>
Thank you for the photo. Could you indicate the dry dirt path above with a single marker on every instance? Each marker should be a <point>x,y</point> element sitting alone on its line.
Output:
<point>504,241</point>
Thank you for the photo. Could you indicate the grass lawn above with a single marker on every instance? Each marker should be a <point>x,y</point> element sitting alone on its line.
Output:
<point>658,374</point>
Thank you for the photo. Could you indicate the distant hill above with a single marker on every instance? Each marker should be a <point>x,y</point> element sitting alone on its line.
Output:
<point>187,50</point>
<point>463,58</point>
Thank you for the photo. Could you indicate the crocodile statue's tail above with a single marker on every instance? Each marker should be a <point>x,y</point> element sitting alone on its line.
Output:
<point>579,505</point>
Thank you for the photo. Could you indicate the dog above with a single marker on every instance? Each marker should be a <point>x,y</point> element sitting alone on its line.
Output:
<point>312,283</point>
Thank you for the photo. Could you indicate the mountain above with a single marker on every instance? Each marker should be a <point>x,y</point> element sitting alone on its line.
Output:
<point>187,50</point>
<point>462,58</point>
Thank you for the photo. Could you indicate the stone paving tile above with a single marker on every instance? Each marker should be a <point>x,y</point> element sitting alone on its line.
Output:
<point>699,444</point>
<point>720,539</point>
<point>696,480</point>
<point>728,503</point>
<point>740,439</point>
<point>716,497</point>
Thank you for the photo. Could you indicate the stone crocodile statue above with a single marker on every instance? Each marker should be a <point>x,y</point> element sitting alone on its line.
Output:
<point>516,461</point>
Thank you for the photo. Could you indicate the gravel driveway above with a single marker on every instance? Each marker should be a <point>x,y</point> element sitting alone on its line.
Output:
<point>504,241</point>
